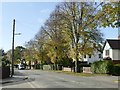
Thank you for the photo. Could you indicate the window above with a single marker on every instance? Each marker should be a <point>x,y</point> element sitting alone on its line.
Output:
<point>89,55</point>
<point>100,56</point>
<point>84,56</point>
<point>107,52</point>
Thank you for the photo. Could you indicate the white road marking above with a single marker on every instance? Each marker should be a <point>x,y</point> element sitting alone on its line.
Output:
<point>31,85</point>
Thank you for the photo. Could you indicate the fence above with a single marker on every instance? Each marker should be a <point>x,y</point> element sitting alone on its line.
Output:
<point>4,72</point>
<point>87,70</point>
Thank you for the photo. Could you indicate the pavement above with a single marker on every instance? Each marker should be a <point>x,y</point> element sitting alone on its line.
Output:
<point>15,78</point>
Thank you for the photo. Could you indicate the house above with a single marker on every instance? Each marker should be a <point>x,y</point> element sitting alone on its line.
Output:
<point>90,58</point>
<point>112,49</point>
<point>93,57</point>
<point>1,52</point>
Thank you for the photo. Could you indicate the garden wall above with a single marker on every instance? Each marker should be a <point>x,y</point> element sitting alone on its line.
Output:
<point>4,72</point>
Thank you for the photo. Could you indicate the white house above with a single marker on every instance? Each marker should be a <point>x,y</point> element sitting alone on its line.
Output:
<point>1,52</point>
<point>96,56</point>
<point>91,58</point>
<point>112,49</point>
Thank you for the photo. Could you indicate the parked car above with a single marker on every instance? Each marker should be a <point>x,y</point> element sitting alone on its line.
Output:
<point>21,66</point>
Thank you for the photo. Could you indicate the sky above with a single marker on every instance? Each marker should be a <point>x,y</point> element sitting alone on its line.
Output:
<point>29,16</point>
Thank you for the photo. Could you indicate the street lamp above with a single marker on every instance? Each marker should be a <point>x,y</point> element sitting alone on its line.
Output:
<point>13,47</point>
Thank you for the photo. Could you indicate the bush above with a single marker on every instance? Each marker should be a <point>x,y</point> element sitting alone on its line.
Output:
<point>102,67</point>
<point>65,62</point>
<point>4,62</point>
<point>116,70</point>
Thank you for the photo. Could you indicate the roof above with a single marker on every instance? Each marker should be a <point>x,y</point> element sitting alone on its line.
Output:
<point>114,43</point>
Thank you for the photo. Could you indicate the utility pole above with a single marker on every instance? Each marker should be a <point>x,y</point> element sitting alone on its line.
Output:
<point>13,48</point>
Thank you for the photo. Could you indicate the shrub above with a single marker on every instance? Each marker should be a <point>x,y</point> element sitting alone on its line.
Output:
<point>116,70</point>
<point>102,67</point>
<point>4,62</point>
<point>65,62</point>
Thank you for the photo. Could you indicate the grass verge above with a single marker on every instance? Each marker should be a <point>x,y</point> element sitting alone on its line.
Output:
<point>78,74</point>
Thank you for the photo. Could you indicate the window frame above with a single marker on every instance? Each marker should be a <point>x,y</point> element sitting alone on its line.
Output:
<point>107,52</point>
<point>90,55</point>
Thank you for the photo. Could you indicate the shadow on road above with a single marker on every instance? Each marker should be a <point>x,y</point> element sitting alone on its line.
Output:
<point>18,78</point>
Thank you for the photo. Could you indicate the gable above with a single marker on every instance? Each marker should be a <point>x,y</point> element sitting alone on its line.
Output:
<point>107,46</point>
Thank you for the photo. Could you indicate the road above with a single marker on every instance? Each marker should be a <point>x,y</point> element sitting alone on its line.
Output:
<point>47,79</point>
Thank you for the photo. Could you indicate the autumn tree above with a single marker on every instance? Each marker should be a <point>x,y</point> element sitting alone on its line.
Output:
<point>72,30</point>
<point>84,34</point>
<point>18,54</point>
<point>110,12</point>
<point>57,41</point>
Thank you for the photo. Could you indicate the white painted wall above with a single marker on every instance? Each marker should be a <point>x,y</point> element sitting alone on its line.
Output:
<point>93,58</point>
<point>0,52</point>
<point>116,54</point>
<point>107,47</point>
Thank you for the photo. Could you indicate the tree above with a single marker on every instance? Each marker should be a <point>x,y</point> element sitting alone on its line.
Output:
<point>83,34</point>
<point>18,54</point>
<point>71,27</point>
<point>110,12</point>
<point>4,59</point>
<point>58,40</point>
<point>69,20</point>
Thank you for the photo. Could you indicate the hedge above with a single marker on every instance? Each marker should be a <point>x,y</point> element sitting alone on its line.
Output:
<point>116,70</point>
<point>102,67</point>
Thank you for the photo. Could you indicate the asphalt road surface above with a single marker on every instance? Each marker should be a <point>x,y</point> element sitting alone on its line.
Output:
<point>47,79</point>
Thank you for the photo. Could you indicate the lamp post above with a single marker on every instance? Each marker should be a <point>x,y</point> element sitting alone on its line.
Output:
<point>12,73</point>
<point>13,48</point>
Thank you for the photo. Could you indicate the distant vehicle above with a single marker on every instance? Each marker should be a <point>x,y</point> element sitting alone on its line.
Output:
<point>21,66</point>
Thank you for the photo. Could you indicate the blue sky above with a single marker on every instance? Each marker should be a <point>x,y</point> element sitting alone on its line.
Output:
<point>29,18</point>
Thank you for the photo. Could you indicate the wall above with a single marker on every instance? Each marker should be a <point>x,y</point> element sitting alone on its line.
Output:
<point>1,52</point>
<point>116,54</point>
<point>93,58</point>
<point>107,47</point>
<point>4,72</point>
